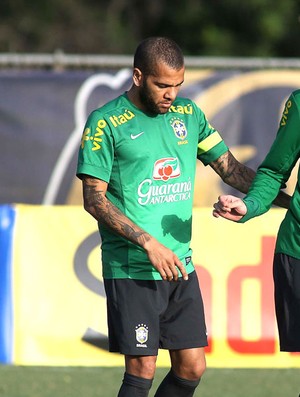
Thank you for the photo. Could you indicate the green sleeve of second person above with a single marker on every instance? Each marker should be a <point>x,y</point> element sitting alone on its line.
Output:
<point>276,169</point>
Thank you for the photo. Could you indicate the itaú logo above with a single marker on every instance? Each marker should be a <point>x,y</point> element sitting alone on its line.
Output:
<point>167,168</point>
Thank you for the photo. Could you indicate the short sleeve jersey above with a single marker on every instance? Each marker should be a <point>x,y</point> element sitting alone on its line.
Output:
<point>149,164</point>
<point>272,175</point>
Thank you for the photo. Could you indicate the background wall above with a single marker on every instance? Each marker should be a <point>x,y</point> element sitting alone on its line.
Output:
<point>43,114</point>
<point>53,309</point>
<point>52,304</point>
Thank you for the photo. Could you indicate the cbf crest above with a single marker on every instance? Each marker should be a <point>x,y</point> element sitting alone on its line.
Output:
<point>141,333</point>
<point>179,128</point>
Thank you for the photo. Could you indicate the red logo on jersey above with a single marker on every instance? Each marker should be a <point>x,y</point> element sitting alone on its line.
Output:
<point>167,168</point>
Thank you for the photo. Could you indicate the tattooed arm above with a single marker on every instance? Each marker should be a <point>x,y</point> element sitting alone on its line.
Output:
<point>232,172</point>
<point>240,177</point>
<point>97,204</point>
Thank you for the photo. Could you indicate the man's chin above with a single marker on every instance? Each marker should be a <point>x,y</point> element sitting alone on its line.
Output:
<point>158,109</point>
<point>163,109</point>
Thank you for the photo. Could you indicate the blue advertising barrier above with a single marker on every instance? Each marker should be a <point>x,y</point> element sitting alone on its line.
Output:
<point>7,219</point>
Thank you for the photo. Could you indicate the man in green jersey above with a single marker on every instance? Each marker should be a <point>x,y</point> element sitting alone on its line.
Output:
<point>272,174</point>
<point>137,163</point>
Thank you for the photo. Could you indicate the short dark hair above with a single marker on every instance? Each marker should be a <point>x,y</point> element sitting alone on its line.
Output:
<point>157,49</point>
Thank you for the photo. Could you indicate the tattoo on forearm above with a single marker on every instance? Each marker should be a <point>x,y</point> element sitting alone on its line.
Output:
<point>234,173</point>
<point>105,212</point>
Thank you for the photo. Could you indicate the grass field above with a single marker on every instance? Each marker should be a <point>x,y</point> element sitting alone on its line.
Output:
<point>16,381</point>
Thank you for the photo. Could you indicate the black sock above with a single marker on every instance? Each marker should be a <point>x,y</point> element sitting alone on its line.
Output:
<point>134,386</point>
<point>173,386</point>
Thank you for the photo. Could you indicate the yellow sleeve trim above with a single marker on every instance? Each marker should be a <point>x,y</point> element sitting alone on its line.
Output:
<point>209,142</point>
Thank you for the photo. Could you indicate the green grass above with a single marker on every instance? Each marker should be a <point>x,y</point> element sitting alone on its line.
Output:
<point>19,381</point>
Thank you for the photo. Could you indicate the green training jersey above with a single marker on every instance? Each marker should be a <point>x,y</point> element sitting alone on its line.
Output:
<point>149,164</point>
<point>272,175</point>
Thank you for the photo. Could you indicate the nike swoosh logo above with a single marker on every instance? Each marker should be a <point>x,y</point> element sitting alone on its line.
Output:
<point>137,135</point>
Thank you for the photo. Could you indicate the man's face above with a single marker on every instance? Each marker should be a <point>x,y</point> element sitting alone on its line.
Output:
<point>157,92</point>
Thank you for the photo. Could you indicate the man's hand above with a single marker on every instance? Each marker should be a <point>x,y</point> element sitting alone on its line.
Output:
<point>164,260</point>
<point>229,207</point>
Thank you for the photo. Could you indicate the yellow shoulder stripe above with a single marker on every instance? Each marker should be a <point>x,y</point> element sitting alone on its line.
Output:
<point>209,142</point>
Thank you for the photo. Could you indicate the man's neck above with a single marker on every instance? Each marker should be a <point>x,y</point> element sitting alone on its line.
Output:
<point>133,96</point>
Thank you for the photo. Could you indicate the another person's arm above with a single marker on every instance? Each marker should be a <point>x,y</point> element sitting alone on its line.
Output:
<point>272,174</point>
<point>240,177</point>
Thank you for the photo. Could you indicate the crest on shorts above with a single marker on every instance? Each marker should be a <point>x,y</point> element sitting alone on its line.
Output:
<point>141,333</point>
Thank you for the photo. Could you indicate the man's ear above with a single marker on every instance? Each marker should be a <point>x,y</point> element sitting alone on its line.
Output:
<point>137,77</point>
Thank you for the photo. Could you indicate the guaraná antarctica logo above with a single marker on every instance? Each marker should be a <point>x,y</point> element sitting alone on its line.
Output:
<point>164,169</point>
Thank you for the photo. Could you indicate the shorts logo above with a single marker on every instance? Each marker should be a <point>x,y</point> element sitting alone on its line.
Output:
<point>141,334</point>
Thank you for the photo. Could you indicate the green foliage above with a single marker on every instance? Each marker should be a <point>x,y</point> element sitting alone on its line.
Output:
<point>261,28</point>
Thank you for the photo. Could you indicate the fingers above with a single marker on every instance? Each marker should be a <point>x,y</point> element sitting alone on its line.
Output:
<point>220,208</point>
<point>220,211</point>
<point>225,203</point>
<point>169,271</point>
<point>165,261</point>
<point>182,269</point>
<point>216,214</point>
<point>171,274</point>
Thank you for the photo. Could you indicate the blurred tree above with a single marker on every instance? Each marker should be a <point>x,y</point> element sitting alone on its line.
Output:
<point>263,28</point>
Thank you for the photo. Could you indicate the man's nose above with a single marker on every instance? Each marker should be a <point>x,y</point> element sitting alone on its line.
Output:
<point>171,93</point>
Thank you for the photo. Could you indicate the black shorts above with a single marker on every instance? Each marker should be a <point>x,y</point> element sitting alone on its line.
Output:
<point>286,271</point>
<point>145,315</point>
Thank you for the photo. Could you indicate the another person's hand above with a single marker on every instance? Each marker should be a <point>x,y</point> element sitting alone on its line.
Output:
<point>229,207</point>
